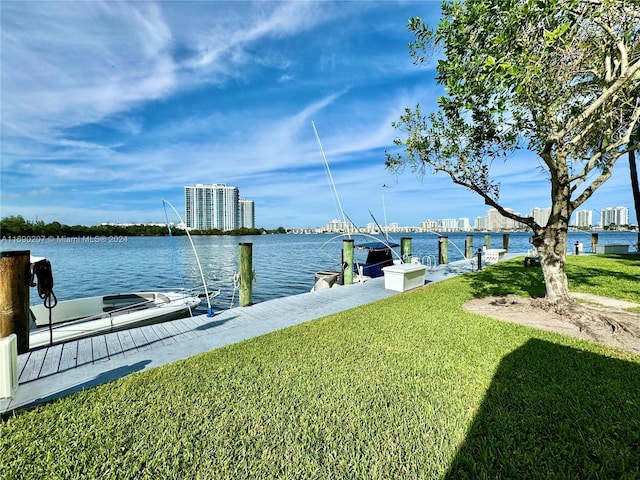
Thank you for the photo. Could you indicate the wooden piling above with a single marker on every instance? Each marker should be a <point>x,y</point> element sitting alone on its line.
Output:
<point>15,276</point>
<point>443,250</point>
<point>505,241</point>
<point>347,258</point>
<point>405,249</point>
<point>468,246</point>
<point>246,273</point>
<point>594,242</point>
<point>487,240</point>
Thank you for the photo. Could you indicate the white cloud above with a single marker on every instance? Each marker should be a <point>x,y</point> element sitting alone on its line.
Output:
<point>73,63</point>
<point>221,43</point>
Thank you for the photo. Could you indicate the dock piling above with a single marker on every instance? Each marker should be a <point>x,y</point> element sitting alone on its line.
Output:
<point>505,242</point>
<point>594,242</point>
<point>405,249</point>
<point>15,276</point>
<point>443,250</point>
<point>468,246</point>
<point>246,273</point>
<point>347,258</point>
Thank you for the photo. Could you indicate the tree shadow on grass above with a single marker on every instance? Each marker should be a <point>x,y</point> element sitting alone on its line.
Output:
<point>555,412</point>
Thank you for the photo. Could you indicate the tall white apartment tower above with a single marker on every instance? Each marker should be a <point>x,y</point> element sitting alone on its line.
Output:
<point>480,223</point>
<point>212,206</point>
<point>541,215</point>
<point>584,218</point>
<point>495,221</point>
<point>247,214</point>
<point>464,225</point>
<point>448,224</point>
<point>615,216</point>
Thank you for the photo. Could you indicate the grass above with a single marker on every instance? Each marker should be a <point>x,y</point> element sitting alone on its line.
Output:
<point>409,387</point>
<point>613,276</point>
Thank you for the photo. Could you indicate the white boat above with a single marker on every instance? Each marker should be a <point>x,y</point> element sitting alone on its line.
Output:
<point>84,317</point>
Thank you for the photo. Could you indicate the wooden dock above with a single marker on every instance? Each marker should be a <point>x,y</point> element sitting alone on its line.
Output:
<point>59,370</point>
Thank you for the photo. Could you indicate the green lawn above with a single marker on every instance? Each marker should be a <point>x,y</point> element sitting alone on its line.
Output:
<point>411,387</point>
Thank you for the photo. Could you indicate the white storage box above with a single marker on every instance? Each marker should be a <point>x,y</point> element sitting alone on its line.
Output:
<point>493,255</point>
<point>612,248</point>
<point>403,277</point>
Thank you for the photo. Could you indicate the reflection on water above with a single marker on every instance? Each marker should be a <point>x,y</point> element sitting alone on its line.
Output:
<point>284,264</point>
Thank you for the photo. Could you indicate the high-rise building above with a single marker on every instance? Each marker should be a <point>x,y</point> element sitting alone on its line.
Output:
<point>247,213</point>
<point>541,215</point>
<point>448,224</point>
<point>494,220</point>
<point>338,226</point>
<point>463,224</point>
<point>614,216</point>
<point>429,225</point>
<point>480,223</point>
<point>213,206</point>
<point>583,218</point>
<point>509,223</point>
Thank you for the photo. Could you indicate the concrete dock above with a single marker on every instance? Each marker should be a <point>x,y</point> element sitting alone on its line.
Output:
<point>53,372</point>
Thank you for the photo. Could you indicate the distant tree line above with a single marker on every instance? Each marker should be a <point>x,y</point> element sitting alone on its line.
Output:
<point>17,226</point>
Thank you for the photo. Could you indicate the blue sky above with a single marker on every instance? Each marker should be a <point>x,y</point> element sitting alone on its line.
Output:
<point>110,107</point>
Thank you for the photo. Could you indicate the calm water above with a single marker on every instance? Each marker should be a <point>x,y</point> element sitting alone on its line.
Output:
<point>284,264</point>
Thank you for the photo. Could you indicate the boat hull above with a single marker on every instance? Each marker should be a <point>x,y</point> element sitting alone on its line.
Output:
<point>74,319</point>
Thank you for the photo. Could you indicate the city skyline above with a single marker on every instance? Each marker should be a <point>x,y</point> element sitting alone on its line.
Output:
<point>492,221</point>
<point>247,219</point>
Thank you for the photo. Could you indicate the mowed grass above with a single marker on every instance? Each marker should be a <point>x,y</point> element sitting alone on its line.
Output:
<point>411,387</point>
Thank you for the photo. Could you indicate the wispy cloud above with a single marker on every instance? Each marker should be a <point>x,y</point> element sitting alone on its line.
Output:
<point>68,64</point>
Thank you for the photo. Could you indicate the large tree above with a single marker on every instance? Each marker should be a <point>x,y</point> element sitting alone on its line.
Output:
<point>635,187</point>
<point>550,76</point>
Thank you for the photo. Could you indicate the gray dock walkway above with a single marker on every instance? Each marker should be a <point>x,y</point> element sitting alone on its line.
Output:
<point>60,370</point>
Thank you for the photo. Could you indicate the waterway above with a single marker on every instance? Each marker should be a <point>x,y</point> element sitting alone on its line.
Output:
<point>284,264</point>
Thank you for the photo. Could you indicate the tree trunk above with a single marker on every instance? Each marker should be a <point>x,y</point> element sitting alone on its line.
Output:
<point>551,241</point>
<point>551,244</point>
<point>635,188</point>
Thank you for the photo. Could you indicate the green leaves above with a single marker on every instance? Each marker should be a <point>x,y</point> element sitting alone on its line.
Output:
<point>553,76</point>
<point>551,37</point>
<point>424,37</point>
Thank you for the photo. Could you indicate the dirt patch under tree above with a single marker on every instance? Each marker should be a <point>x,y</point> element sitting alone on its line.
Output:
<point>601,320</point>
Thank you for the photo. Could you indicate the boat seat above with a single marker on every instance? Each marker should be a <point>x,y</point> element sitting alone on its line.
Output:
<point>125,301</point>
<point>129,298</point>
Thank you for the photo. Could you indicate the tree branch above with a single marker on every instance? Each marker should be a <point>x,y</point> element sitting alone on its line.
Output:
<point>605,96</point>
<point>488,200</point>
